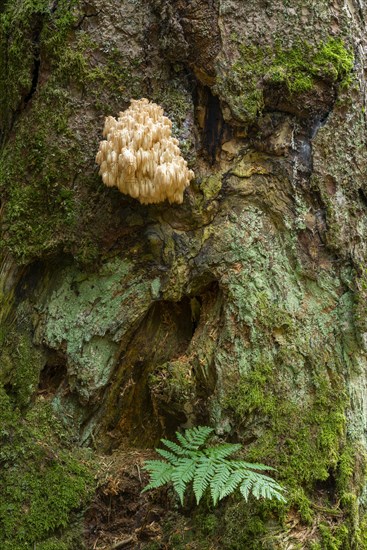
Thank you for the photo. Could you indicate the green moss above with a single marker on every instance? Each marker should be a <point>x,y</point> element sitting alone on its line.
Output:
<point>53,544</point>
<point>243,527</point>
<point>39,206</point>
<point>351,466</point>
<point>208,524</point>
<point>298,67</point>
<point>39,201</point>
<point>295,68</point>
<point>211,186</point>
<point>303,440</point>
<point>334,539</point>
<point>21,363</point>
<point>304,456</point>
<point>18,50</point>
<point>363,532</point>
<point>44,479</point>
<point>47,182</point>
<point>334,61</point>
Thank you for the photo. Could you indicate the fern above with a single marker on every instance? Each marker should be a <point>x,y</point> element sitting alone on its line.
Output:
<point>173,447</point>
<point>232,483</point>
<point>209,468</point>
<point>194,437</point>
<point>219,480</point>
<point>161,473</point>
<point>182,474</point>
<point>222,451</point>
<point>205,470</point>
<point>170,457</point>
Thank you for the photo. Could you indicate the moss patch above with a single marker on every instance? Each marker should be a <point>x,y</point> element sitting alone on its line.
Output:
<point>35,182</point>
<point>296,68</point>
<point>20,25</point>
<point>47,176</point>
<point>21,364</point>
<point>44,480</point>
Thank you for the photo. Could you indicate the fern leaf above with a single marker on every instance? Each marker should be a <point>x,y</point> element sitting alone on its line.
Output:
<point>219,480</point>
<point>261,486</point>
<point>182,440</point>
<point>172,458</point>
<point>247,486</point>
<point>276,493</point>
<point>251,466</point>
<point>189,460</point>
<point>203,475</point>
<point>274,490</point>
<point>222,451</point>
<point>182,474</point>
<point>232,483</point>
<point>160,473</point>
<point>197,437</point>
<point>173,447</point>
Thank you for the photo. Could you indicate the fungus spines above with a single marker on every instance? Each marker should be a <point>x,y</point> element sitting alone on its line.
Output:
<point>141,158</point>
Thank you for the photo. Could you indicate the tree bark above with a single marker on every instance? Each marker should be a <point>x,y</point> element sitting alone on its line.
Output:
<point>244,308</point>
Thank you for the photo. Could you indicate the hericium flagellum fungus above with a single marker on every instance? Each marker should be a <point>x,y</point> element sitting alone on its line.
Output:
<point>140,157</point>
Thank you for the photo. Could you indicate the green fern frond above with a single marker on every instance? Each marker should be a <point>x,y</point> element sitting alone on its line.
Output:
<point>251,465</point>
<point>277,494</point>
<point>195,437</point>
<point>182,440</point>
<point>160,473</point>
<point>222,451</point>
<point>219,480</point>
<point>247,486</point>
<point>171,457</point>
<point>261,486</point>
<point>173,447</point>
<point>232,483</point>
<point>209,468</point>
<point>203,474</point>
<point>182,474</point>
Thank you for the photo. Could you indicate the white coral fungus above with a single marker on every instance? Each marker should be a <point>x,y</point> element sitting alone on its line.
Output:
<point>140,156</point>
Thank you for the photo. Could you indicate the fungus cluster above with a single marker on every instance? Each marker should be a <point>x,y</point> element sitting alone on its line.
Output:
<point>140,156</point>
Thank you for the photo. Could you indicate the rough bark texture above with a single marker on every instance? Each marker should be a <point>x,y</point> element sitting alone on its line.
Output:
<point>244,308</point>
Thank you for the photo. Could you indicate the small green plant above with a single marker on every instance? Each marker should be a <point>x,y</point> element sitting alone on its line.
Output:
<point>208,467</point>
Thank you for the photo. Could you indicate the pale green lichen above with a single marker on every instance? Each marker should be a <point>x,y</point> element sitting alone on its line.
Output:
<point>279,387</point>
<point>89,314</point>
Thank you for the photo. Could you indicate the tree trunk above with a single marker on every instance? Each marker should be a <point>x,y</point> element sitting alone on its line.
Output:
<point>244,308</point>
